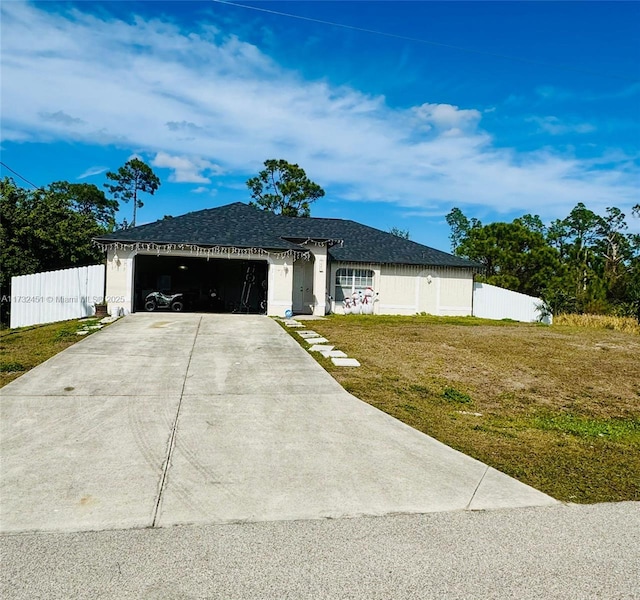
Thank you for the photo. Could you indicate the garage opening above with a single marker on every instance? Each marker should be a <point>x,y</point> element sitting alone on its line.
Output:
<point>213,285</point>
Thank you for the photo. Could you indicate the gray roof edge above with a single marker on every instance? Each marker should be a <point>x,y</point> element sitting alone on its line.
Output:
<point>466,264</point>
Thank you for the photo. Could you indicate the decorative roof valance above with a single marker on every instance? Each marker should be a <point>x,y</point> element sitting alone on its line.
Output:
<point>204,251</point>
<point>318,242</point>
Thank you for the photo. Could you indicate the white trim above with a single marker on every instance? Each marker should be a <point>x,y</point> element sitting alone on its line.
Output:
<point>203,256</point>
<point>280,303</point>
<point>397,306</point>
<point>131,279</point>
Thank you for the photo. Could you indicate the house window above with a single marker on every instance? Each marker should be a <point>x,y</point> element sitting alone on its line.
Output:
<point>352,280</point>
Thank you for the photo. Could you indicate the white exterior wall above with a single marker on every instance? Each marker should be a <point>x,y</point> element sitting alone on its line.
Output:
<point>319,252</point>
<point>56,295</point>
<point>279,293</point>
<point>407,290</point>
<point>120,278</point>
<point>120,281</point>
<point>398,290</point>
<point>492,302</point>
<point>456,292</point>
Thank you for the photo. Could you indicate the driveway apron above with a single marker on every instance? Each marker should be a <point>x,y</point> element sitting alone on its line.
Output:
<point>165,419</point>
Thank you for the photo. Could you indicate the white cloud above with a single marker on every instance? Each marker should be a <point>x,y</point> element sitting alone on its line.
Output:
<point>446,116</point>
<point>91,171</point>
<point>185,169</point>
<point>554,126</point>
<point>197,99</point>
<point>201,189</point>
<point>183,126</point>
<point>557,94</point>
<point>61,117</point>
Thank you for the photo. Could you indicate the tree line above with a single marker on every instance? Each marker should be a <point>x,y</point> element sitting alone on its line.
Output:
<point>52,227</point>
<point>584,263</point>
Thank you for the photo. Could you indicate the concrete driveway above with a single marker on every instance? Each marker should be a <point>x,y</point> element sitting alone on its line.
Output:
<point>169,419</point>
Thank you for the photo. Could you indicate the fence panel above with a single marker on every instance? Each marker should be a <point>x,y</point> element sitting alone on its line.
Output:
<point>491,302</point>
<point>56,295</point>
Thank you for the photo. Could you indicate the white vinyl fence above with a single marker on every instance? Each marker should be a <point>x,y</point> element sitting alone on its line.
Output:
<point>491,302</point>
<point>56,295</point>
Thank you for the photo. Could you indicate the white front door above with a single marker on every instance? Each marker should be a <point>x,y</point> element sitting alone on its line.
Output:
<point>303,287</point>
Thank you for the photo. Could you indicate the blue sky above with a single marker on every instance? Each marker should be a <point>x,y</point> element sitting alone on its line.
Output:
<point>499,109</point>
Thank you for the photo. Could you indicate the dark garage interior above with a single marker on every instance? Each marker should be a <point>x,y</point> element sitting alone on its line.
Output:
<point>208,285</point>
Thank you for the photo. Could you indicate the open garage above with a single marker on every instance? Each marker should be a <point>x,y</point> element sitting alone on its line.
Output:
<point>309,264</point>
<point>208,285</point>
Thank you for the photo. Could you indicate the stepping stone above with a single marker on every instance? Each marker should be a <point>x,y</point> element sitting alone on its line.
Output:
<point>334,354</point>
<point>308,333</point>
<point>322,349</point>
<point>82,332</point>
<point>108,320</point>
<point>293,324</point>
<point>316,340</point>
<point>345,362</point>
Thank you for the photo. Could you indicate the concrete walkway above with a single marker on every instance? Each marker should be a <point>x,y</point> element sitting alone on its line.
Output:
<point>171,419</point>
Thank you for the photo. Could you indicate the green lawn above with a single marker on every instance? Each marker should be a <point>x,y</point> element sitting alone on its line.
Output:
<point>555,407</point>
<point>24,348</point>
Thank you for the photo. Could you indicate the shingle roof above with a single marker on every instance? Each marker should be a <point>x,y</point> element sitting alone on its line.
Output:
<point>244,226</point>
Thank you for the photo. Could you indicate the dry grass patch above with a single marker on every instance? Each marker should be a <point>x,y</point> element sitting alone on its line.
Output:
<point>626,324</point>
<point>24,348</point>
<point>556,407</point>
